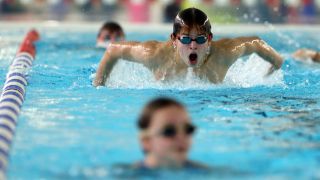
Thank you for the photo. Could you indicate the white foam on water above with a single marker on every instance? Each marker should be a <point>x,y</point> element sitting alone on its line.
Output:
<point>243,73</point>
<point>252,72</point>
<point>136,76</point>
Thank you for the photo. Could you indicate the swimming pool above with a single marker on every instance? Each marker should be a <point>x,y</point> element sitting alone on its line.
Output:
<point>249,127</point>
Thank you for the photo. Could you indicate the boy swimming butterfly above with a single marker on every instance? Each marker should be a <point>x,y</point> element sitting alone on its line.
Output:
<point>190,45</point>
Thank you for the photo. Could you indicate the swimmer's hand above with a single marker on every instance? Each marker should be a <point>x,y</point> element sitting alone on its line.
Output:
<point>271,70</point>
<point>98,82</point>
<point>275,66</point>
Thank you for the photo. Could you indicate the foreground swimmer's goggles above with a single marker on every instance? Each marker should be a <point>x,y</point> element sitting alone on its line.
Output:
<point>187,40</point>
<point>170,130</point>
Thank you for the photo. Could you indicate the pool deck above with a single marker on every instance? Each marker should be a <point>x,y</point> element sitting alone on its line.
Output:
<point>94,26</point>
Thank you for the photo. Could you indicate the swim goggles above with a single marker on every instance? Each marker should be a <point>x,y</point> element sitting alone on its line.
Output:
<point>170,130</point>
<point>116,38</point>
<point>187,39</point>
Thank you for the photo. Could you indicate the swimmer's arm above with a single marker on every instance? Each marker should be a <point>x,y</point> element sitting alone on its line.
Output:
<point>304,54</point>
<point>316,57</point>
<point>244,46</point>
<point>131,51</point>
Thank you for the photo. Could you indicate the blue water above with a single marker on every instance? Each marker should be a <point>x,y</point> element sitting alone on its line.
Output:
<point>248,127</point>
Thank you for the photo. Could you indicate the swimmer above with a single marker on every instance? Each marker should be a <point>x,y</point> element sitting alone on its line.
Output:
<point>307,54</point>
<point>190,46</point>
<point>109,32</point>
<point>165,136</point>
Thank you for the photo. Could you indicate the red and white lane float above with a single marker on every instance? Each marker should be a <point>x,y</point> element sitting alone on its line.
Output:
<point>12,96</point>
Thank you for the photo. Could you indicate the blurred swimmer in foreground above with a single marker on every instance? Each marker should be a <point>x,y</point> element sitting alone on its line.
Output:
<point>307,54</point>
<point>108,33</point>
<point>191,46</point>
<point>165,136</point>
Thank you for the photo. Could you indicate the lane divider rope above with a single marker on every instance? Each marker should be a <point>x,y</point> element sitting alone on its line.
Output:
<point>11,100</point>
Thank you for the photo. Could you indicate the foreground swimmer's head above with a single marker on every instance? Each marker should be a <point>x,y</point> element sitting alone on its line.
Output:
<point>192,36</point>
<point>166,131</point>
<point>109,32</point>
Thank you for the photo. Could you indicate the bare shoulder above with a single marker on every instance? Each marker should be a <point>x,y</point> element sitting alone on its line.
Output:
<point>231,47</point>
<point>223,47</point>
<point>231,42</point>
<point>153,44</point>
<point>152,48</point>
<point>246,38</point>
<point>225,51</point>
<point>134,49</point>
<point>134,44</point>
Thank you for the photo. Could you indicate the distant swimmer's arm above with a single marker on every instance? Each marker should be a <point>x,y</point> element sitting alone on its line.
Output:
<point>247,45</point>
<point>304,54</point>
<point>131,51</point>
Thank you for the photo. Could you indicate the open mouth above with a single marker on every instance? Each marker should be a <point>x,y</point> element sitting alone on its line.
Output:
<point>193,58</point>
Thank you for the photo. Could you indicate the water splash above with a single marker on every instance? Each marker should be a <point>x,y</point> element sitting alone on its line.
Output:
<point>252,72</point>
<point>244,73</point>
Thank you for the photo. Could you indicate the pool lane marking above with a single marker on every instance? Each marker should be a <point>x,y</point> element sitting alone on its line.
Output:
<point>23,61</point>
<point>5,138</point>
<point>8,126</point>
<point>8,135</point>
<point>11,105</point>
<point>10,97</point>
<point>14,86</point>
<point>13,92</point>
<point>18,79</point>
<point>8,108</point>
<point>15,102</point>
<point>16,74</point>
<point>4,144</point>
<point>9,113</point>
<point>11,100</point>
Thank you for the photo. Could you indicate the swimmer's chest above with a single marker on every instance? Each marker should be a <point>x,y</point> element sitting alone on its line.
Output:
<point>213,70</point>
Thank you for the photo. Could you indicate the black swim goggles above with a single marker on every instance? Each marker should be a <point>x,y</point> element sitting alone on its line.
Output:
<point>170,130</point>
<point>187,39</point>
<point>108,38</point>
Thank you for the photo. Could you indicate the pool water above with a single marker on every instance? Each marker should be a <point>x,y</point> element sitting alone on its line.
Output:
<point>248,127</point>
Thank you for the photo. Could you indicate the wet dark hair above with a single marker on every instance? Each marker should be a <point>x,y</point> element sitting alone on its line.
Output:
<point>316,57</point>
<point>154,105</point>
<point>191,17</point>
<point>111,27</point>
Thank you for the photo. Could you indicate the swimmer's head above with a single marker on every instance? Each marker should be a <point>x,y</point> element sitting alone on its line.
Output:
<point>165,132</point>
<point>109,32</point>
<point>192,36</point>
<point>316,57</point>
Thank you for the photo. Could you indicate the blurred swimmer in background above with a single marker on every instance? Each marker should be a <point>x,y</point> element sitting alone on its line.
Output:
<point>108,33</point>
<point>307,55</point>
<point>166,135</point>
